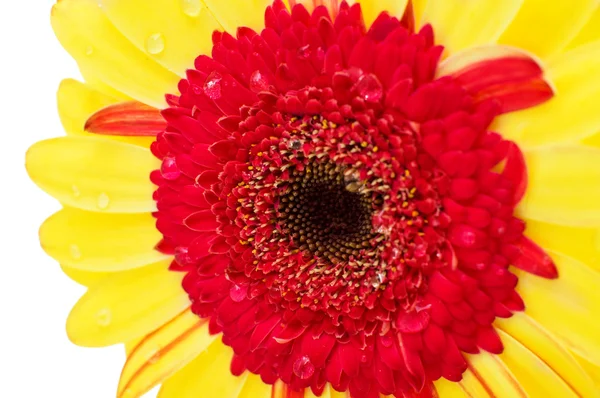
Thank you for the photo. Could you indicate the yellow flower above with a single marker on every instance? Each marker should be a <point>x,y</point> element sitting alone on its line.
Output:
<point>316,203</point>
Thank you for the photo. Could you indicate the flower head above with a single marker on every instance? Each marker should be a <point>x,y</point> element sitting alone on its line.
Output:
<point>340,202</point>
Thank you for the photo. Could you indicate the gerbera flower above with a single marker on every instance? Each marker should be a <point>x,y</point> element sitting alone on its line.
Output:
<point>323,198</point>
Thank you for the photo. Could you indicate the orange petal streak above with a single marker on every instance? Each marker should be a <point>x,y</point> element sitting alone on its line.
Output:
<point>130,118</point>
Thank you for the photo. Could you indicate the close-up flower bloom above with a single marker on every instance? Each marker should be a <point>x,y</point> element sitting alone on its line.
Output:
<point>323,198</point>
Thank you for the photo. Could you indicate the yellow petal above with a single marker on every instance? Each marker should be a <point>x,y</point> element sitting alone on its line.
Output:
<point>87,34</point>
<point>495,376</point>
<point>372,8</point>
<point>85,278</point>
<point>208,375</point>
<point>567,307</point>
<point>592,370</point>
<point>450,389</point>
<point>164,352</point>
<point>471,386</point>
<point>101,242</point>
<point>534,375</point>
<point>582,244</point>
<point>94,174</point>
<point>232,14</point>
<point>254,387</point>
<point>590,32</point>
<point>126,306</point>
<point>458,24</point>
<point>419,10</point>
<point>571,115</point>
<point>546,27</point>
<point>95,82</point>
<point>132,345</point>
<point>549,349</point>
<point>78,101</point>
<point>564,186</point>
<point>171,34</point>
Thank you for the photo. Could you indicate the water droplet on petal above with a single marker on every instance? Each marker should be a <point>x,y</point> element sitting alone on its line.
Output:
<point>191,8</point>
<point>154,356</point>
<point>353,181</point>
<point>212,85</point>
<point>196,89</point>
<point>238,293</point>
<point>103,317</point>
<point>155,43</point>
<point>89,50</point>
<point>377,279</point>
<point>258,82</point>
<point>75,252</point>
<point>369,88</point>
<point>169,169</point>
<point>304,51</point>
<point>76,191</point>
<point>103,201</point>
<point>303,367</point>
<point>182,256</point>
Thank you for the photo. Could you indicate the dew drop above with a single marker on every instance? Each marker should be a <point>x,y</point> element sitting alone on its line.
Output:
<point>369,88</point>
<point>103,201</point>
<point>238,293</point>
<point>196,89</point>
<point>76,191</point>
<point>258,82</point>
<point>154,356</point>
<point>352,181</point>
<point>103,317</point>
<point>303,367</point>
<point>169,169</point>
<point>155,43</point>
<point>191,8</point>
<point>182,256</point>
<point>89,50</point>
<point>377,279</point>
<point>212,85</point>
<point>75,252</point>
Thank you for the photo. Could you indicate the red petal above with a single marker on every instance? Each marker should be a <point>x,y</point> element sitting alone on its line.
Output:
<point>506,74</point>
<point>130,118</point>
<point>533,259</point>
<point>516,171</point>
<point>203,220</point>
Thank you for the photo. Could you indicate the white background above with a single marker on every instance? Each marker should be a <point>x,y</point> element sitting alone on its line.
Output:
<point>36,358</point>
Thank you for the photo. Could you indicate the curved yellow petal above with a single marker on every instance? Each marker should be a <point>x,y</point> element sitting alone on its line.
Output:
<point>163,352</point>
<point>372,8</point>
<point>551,351</point>
<point>101,242</point>
<point>571,115</point>
<point>592,370</point>
<point>567,307</point>
<point>85,278</point>
<point>458,24</point>
<point>94,174</point>
<point>132,345</point>
<point>173,34</point>
<point>449,389</point>
<point>254,387</point>
<point>582,244</point>
<point>78,101</point>
<point>87,34</point>
<point>232,14</point>
<point>495,376</point>
<point>207,376</point>
<point>419,10</point>
<point>126,306</point>
<point>533,374</point>
<point>564,186</point>
<point>470,386</point>
<point>590,32</point>
<point>546,27</point>
<point>95,82</point>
